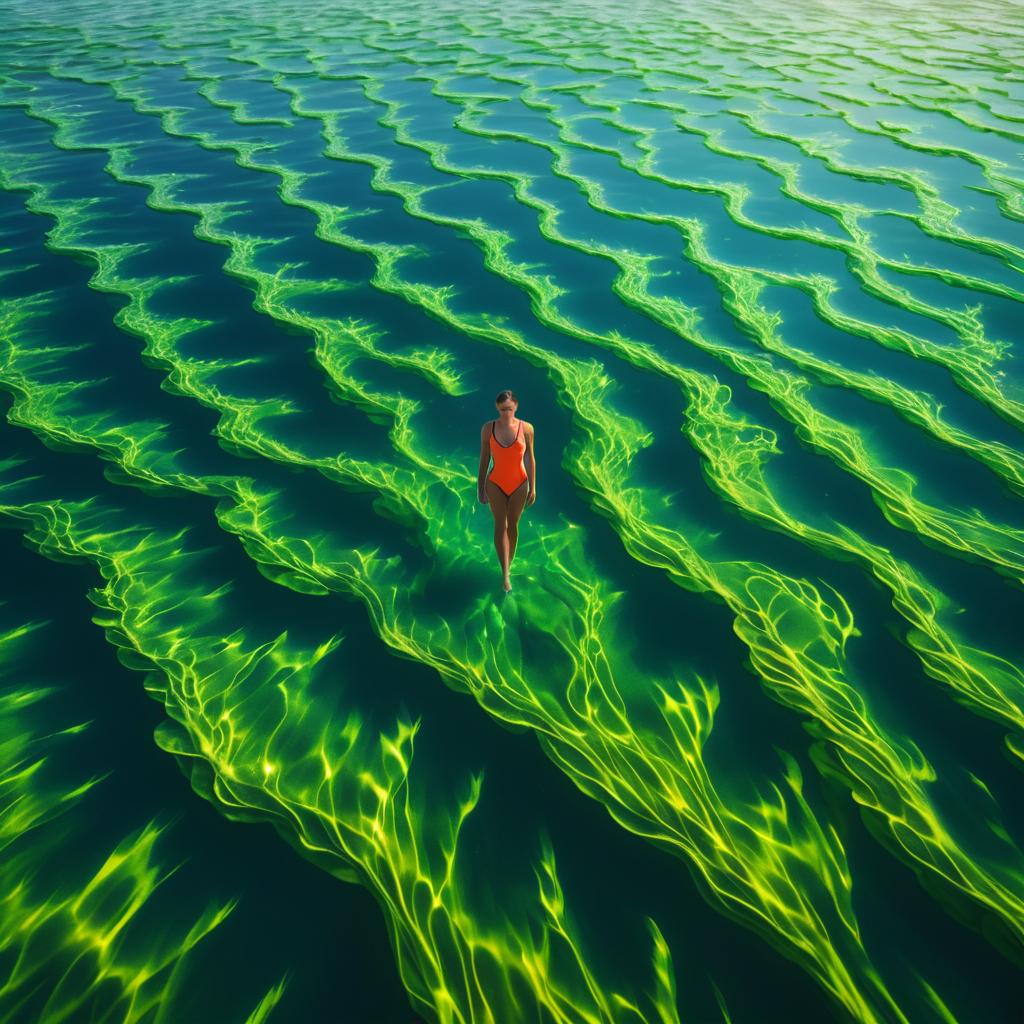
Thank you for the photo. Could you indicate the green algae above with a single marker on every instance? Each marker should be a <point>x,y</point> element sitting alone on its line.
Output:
<point>238,716</point>
<point>914,597</point>
<point>990,891</point>
<point>653,810</point>
<point>98,946</point>
<point>774,864</point>
<point>672,806</point>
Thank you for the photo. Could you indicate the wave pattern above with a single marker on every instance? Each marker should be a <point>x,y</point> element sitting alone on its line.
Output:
<point>756,275</point>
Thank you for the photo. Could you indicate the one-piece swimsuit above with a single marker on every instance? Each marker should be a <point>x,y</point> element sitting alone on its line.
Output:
<point>509,472</point>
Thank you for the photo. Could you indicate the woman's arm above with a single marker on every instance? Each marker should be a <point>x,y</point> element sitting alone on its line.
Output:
<point>531,465</point>
<point>485,461</point>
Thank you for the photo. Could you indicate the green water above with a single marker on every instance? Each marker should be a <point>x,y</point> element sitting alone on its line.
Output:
<point>743,744</point>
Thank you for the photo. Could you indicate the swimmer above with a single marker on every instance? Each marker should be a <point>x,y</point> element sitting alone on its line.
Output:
<point>512,483</point>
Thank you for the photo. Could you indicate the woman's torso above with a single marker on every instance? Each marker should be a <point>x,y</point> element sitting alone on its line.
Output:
<point>508,458</point>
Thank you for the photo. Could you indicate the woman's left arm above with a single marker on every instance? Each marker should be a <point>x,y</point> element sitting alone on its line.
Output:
<point>531,466</point>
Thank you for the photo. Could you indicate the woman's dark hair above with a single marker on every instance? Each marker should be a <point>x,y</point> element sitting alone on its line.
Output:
<point>502,395</point>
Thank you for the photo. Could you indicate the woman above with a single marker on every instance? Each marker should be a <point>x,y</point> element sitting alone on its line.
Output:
<point>505,489</point>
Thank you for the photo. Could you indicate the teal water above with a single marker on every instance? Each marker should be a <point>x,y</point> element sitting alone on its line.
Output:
<point>744,742</point>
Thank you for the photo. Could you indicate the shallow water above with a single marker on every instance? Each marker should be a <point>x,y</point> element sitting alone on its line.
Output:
<point>744,742</point>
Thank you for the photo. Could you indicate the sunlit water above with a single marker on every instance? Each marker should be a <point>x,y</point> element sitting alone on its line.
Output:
<point>744,743</point>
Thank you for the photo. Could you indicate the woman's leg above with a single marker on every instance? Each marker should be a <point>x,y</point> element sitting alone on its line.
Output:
<point>498,501</point>
<point>516,504</point>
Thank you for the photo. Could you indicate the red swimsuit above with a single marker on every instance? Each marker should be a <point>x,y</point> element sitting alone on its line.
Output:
<point>509,471</point>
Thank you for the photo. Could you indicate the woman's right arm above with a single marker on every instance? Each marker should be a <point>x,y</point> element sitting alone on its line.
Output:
<point>485,461</point>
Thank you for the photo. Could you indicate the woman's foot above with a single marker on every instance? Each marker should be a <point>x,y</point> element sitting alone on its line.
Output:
<point>507,583</point>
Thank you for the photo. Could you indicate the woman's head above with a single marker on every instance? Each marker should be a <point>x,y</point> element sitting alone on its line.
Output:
<point>506,401</point>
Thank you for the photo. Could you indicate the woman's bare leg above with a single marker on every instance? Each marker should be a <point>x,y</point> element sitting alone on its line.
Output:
<point>498,501</point>
<point>516,504</point>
